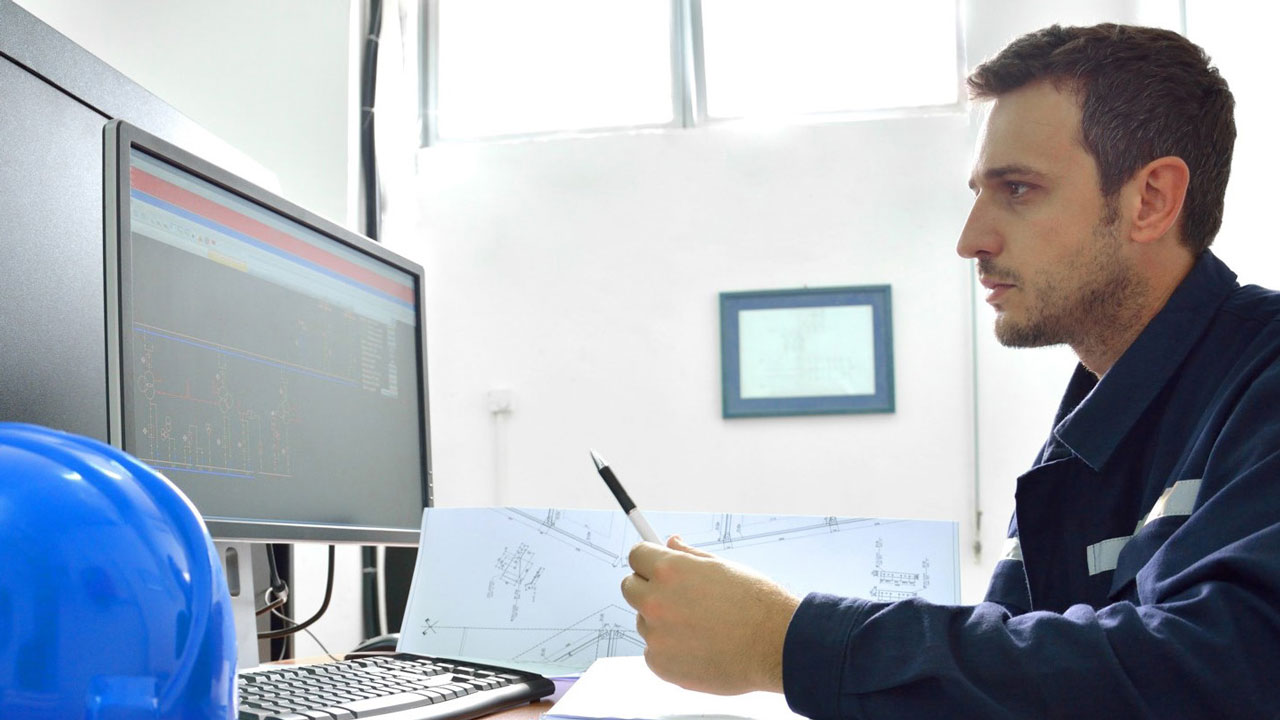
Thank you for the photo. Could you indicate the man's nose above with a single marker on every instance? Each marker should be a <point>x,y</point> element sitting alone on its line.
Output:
<point>979,237</point>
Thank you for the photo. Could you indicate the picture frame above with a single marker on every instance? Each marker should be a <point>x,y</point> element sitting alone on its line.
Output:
<point>807,351</point>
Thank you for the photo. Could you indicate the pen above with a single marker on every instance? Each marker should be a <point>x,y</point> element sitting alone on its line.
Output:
<point>624,500</point>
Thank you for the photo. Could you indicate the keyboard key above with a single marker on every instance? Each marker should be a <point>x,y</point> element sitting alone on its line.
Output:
<point>388,703</point>
<point>447,691</point>
<point>432,695</point>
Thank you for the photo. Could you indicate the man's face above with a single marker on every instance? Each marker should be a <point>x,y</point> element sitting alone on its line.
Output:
<point>1049,249</point>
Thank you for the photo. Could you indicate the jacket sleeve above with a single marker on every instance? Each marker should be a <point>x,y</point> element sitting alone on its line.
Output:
<point>1198,636</point>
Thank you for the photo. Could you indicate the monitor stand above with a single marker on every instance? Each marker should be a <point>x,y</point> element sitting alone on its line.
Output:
<point>237,563</point>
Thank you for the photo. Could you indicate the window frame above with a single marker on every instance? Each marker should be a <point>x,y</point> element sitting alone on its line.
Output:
<point>688,85</point>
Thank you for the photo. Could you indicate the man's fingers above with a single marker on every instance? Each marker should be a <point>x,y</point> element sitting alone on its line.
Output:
<point>644,556</point>
<point>634,590</point>
<point>675,542</point>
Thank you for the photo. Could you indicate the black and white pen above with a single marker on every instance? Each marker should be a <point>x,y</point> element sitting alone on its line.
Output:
<point>628,507</point>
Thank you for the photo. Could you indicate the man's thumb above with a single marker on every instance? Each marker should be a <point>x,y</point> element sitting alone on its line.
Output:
<point>675,542</point>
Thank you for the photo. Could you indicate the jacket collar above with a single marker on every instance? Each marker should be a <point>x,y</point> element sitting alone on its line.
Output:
<point>1095,415</point>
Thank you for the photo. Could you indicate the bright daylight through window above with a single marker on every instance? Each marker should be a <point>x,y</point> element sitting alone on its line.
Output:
<point>813,56</point>
<point>516,68</point>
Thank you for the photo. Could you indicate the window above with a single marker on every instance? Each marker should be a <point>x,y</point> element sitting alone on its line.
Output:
<point>821,56</point>
<point>500,68</point>
<point>515,67</point>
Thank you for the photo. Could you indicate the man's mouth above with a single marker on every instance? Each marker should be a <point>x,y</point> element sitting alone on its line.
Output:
<point>996,288</point>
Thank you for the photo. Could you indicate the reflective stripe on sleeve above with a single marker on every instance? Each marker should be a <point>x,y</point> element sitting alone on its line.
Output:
<point>1177,499</point>
<point>1012,549</point>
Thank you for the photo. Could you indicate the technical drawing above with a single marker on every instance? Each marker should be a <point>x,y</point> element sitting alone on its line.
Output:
<point>600,536</point>
<point>608,632</point>
<point>539,587</point>
<point>737,530</point>
<point>517,572</point>
<point>895,585</point>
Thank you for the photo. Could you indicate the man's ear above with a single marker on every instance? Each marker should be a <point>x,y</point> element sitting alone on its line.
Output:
<point>1161,188</point>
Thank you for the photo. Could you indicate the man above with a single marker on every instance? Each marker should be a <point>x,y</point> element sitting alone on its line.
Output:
<point>1142,577</point>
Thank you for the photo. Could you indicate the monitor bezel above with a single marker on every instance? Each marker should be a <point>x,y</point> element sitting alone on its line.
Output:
<point>120,138</point>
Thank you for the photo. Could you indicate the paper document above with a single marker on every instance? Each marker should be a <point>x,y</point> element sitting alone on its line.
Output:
<point>623,688</point>
<point>539,588</point>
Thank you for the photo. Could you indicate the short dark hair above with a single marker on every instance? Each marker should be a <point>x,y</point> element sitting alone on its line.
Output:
<point>1144,93</point>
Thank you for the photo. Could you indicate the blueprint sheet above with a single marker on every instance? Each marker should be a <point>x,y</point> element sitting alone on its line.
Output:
<point>538,588</point>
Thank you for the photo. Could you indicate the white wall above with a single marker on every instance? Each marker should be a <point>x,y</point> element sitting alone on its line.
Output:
<point>582,273</point>
<point>1238,36</point>
<point>271,78</point>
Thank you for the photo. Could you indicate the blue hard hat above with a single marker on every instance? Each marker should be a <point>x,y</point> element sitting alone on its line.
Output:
<point>113,604</point>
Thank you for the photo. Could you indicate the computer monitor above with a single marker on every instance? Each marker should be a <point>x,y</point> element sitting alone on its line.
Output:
<point>267,361</point>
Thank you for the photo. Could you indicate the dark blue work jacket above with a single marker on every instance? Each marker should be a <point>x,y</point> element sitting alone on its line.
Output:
<point>1142,575</point>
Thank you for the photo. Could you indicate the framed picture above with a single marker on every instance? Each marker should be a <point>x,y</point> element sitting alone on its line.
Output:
<point>811,351</point>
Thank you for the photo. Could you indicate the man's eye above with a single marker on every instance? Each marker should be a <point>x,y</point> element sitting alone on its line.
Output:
<point>1017,189</point>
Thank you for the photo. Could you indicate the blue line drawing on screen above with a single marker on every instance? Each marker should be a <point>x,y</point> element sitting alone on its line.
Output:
<point>539,587</point>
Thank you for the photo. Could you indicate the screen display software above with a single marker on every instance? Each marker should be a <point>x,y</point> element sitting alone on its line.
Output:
<point>270,371</point>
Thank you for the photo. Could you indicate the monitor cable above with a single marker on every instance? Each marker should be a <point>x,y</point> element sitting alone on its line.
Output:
<point>324,605</point>
<point>278,593</point>
<point>316,640</point>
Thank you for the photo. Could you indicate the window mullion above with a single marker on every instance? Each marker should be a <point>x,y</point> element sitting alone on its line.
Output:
<point>962,52</point>
<point>696,53</point>
<point>430,72</point>
<point>682,76</point>
<point>688,78</point>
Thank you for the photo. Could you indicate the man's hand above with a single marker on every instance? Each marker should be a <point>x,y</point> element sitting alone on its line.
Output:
<point>708,624</point>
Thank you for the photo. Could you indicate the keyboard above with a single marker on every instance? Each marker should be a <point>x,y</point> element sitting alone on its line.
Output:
<point>389,687</point>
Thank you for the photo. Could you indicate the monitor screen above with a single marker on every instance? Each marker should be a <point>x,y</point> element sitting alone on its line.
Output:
<point>268,362</point>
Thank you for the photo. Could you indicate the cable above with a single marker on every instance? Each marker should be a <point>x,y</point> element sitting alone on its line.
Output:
<point>312,635</point>
<point>271,605</point>
<point>369,590</point>
<point>284,647</point>
<point>278,594</point>
<point>328,594</point>
<point>368,94</point>
<point>278,585</point>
